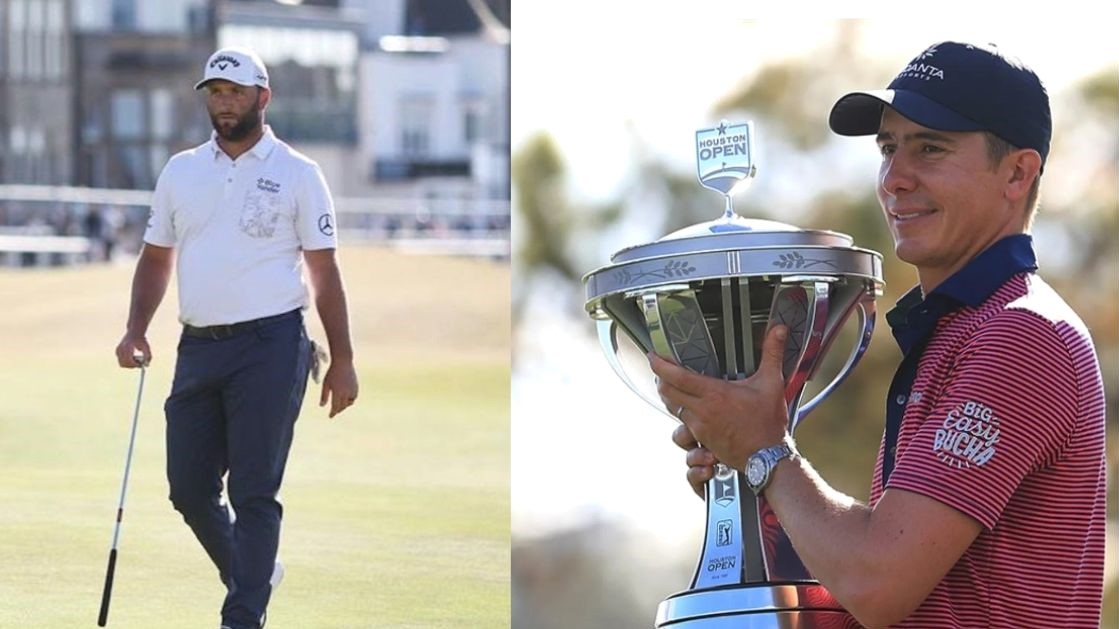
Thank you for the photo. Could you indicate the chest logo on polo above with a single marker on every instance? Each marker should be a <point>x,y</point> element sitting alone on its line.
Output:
<point>267,185</point>
<point>968,436</point>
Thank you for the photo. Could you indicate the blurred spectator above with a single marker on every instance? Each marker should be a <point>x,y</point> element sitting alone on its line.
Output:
<point>102,227</point>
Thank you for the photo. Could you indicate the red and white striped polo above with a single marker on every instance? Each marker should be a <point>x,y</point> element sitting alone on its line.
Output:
<point>1005,422</point>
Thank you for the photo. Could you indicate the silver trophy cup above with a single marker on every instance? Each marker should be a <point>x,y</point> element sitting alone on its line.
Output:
<point>704,297</point>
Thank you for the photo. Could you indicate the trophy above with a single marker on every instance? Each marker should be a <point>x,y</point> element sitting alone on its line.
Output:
<point>703,297</point>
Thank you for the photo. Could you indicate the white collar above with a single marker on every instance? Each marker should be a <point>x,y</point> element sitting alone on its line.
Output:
<point>261,149</point>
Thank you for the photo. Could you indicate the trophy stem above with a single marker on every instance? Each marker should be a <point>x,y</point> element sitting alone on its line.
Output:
<point>753,566</point>
<point>728,212</point>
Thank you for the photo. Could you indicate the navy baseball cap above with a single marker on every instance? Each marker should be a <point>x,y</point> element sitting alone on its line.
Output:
<point>957,87</point>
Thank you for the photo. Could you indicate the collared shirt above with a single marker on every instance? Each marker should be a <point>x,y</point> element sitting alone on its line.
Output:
<point>239,227</point>
<point>1000,415</point>
<point>914,319</point>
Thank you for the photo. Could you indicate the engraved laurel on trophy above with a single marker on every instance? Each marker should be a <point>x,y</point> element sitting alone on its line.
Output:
<point>704,297</point>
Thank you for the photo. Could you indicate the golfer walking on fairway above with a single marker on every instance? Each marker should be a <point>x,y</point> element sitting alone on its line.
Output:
<point>240,215</point>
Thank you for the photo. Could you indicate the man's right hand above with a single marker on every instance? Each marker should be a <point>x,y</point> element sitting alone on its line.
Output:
<point>133,351</point>
<point>701,463</point>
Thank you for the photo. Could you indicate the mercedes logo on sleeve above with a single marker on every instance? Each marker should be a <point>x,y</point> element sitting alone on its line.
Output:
<point>326,225</point>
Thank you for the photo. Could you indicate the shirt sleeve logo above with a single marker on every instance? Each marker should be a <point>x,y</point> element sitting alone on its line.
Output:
<point>967,436</point>
<point>326,225</point>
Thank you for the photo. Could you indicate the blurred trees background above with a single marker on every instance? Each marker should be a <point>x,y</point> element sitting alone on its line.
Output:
<point>561,580</point>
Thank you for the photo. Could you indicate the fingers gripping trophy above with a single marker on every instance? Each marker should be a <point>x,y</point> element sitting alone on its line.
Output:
<point>703,297</point>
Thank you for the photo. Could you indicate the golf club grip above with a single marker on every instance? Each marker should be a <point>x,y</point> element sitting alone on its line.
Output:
<point>103,616</point>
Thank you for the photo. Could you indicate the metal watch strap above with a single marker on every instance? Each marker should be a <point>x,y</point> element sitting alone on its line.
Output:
<point>769,457</point>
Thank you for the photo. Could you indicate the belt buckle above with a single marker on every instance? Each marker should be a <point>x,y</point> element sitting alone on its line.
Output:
<point>219,332</point>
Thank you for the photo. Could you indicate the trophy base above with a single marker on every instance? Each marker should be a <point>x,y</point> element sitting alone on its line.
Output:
<point>802,605</point>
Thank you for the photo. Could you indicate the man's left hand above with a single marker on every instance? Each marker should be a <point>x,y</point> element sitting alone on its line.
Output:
<point>339,386</point>
<point>733,419</point>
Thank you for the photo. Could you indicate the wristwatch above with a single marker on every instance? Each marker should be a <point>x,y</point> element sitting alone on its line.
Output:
<point>760,465</point>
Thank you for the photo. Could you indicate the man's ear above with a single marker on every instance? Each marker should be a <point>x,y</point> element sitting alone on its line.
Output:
<point>264,98</point>
<point>1025,167</point>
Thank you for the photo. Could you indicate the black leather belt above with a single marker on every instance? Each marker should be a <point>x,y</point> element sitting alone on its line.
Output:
<point>219,332</point>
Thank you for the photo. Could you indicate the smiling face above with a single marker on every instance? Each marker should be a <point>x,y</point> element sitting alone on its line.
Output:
<point>943,200</point>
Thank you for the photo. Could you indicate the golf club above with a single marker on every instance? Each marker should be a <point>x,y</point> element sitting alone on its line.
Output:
<point>103,616</point>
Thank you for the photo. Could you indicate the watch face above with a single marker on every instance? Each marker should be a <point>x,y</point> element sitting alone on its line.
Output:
<point>755,471</point>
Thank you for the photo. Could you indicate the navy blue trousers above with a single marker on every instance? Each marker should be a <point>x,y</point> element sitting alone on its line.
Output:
<point>232,408</point>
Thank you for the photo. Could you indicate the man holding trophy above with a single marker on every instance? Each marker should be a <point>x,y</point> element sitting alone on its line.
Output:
<point>987,506</point>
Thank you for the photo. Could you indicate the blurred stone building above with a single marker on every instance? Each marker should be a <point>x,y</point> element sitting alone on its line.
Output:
<point>36,91</point>
<point>135,66</point>
<point>435,96</point>
<point>403,103</point>
<point>392,97</point>
<point>311,49</point>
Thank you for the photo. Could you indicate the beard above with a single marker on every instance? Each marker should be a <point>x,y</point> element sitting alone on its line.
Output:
<point>241,129</point>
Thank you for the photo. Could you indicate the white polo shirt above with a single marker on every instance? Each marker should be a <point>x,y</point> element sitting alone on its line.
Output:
<point>239,227</point>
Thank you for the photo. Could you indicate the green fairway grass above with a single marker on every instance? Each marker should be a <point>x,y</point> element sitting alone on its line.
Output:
<point>396,513</point>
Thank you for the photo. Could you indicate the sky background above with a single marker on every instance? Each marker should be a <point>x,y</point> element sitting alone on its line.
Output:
<point>593,83</point>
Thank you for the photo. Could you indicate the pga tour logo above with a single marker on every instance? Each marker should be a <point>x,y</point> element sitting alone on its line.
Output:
<point>724,532</point>
<point>723,155</point>
<point>967,436</point>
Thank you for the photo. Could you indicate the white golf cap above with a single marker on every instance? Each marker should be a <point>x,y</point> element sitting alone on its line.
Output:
<point>239,65</point>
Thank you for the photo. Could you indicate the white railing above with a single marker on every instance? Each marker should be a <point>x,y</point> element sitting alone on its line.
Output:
<point>31,247</point>
<point>44,224</point>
